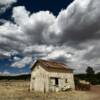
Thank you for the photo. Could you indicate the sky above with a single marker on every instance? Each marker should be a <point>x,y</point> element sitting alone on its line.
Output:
<point>66,31</point>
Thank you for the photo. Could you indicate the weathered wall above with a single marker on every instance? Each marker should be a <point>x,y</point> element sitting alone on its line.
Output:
<point>62,77</point>
<point>40,79</point>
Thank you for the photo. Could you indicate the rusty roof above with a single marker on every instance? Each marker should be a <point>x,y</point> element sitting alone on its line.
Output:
<point>53,64</point>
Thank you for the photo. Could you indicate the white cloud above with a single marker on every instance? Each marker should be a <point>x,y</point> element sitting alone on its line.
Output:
<point>23,62</point>
<point>39,48</point>
<point>11,37</point>
<point>16,58</point>
<point>33,25</point>
<point>5,73</point>
<point>78,22</point>
<point>20,15</point>
<point>56,54</point>
<point>5,4</point>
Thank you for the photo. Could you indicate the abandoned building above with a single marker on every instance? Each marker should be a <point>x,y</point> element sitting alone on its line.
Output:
<point>50,76</point>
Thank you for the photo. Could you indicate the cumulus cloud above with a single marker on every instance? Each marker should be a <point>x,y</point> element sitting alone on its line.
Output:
<point>4,4</point>
<point>72,37</point>
<point>33,25</point>
<point>77,23</point>
<point>11,37</point>
<point>21,15</point>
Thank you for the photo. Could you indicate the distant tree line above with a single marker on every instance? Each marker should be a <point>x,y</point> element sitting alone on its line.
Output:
<point>90,76</point>
<point>17,77</point>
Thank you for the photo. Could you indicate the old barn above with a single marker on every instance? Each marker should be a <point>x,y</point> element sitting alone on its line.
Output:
<point>47,76</point>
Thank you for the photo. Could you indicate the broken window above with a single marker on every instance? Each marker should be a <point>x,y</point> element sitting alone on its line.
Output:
<point>54,81</point>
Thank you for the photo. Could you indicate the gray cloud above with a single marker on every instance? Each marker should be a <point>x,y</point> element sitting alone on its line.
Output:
<point>72,37</point>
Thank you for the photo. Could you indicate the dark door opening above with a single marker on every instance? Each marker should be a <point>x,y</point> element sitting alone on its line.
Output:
<point>56,82</point>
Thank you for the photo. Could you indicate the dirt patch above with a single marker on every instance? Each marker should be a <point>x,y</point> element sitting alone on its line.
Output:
<point>95,90</point>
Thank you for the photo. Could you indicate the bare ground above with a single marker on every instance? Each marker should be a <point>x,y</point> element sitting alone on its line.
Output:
<point>95,90</point>
<point>19,90</point>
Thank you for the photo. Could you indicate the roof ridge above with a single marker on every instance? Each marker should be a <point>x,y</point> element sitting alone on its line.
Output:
<point>50,64</point>
<point>51,61</point>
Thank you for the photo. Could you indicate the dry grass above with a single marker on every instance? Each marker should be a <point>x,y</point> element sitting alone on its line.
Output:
<point>19,90</point>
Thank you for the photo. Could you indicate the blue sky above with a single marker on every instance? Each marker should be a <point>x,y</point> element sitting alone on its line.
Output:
<point>67,31</point>
<point>38,5</point>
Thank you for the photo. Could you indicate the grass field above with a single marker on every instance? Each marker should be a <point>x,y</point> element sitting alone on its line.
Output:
<point>19,90</point>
